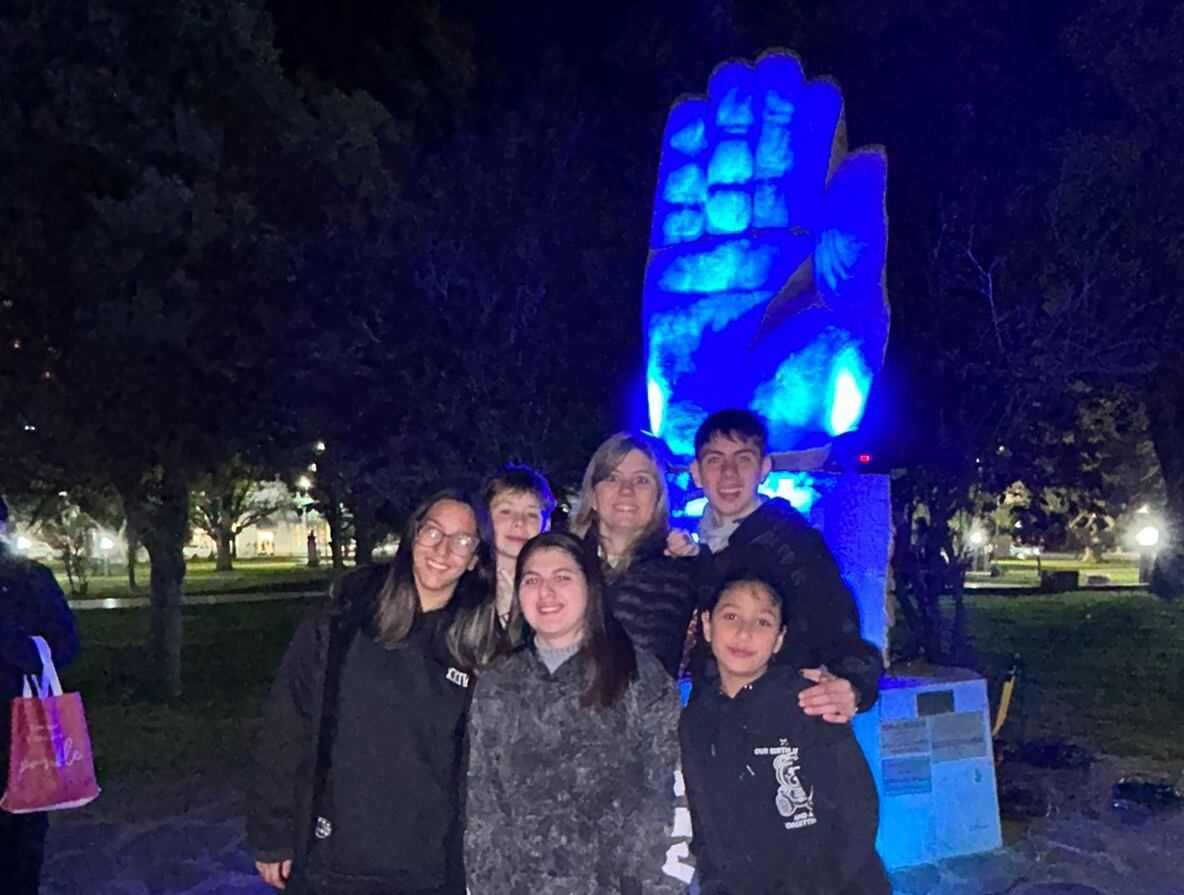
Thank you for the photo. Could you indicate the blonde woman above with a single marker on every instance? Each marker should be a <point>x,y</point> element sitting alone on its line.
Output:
<point>624,516</point>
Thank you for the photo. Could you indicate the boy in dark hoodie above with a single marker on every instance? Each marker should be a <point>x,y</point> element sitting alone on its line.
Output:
<point>782,803</point>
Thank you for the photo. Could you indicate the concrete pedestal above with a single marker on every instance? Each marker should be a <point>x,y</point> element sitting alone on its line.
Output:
<point>928,739</point>
<point>928,743</point>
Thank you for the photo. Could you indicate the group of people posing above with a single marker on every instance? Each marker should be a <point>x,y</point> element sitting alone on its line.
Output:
<point>497,709</point>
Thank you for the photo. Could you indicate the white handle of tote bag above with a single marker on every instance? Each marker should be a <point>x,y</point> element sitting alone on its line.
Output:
<point>48,683</point>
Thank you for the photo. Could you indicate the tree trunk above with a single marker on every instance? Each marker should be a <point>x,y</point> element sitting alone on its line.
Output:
<point>336,532</point>
<point>133,547</point>
<point>225,541</point>
<point>68,564</point>
<point>1165,413</point>
<point>959,652</point>
<point>955,580</point>
<point>161,509</point>
<point>365,538</point>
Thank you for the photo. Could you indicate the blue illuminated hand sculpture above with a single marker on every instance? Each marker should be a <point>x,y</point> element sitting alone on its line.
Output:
<point>765,282</point>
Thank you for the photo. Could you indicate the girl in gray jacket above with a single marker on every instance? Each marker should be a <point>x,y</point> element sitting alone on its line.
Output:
<point>572,746</point>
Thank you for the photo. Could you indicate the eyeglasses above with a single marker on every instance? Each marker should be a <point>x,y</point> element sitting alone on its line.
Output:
<point>459,542</point>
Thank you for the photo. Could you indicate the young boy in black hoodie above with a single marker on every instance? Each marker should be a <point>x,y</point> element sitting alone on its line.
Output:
<point>782,803</point>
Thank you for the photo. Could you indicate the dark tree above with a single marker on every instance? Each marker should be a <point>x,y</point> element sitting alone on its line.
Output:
<point>229,500</point>
<point>1118,221</point>
<point>162,188</point>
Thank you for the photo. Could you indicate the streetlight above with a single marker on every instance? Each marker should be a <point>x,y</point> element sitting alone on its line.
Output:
<point>1147,538</point>
<point>978,539</point>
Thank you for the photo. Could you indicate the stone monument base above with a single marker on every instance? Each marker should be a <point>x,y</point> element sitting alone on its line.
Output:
<point>928,743</point>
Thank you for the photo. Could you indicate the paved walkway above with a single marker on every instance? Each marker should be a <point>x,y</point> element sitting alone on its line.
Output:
<point>92,603</point>
<point>185,837</point>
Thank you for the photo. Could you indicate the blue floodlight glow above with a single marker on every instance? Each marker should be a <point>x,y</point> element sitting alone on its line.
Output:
<point>836,256</point>
<point>734,111</point>
<point>730,163</point>
<point>657,405</point>
<point>686,185</point>
<point>691,140</point>
<point>765,282</point>
<point>683,226</point>
<point>723,267</point>
<point>849,384</point>
<point>774,156</point>
<point>799,488</point>
<point>769,208</point>
<point>796,487</point>
<point>729,211</point>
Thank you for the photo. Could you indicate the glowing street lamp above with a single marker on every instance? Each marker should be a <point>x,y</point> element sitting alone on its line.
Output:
<point>1147,538</point>
<point>977,541</point>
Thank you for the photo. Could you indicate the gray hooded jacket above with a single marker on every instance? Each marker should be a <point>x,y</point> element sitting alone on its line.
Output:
<point>567,800</point>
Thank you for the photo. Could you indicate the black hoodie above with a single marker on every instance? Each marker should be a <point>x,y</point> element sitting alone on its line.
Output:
<point>777,544</point>
<point>357,765</point>
<point>781,803</point>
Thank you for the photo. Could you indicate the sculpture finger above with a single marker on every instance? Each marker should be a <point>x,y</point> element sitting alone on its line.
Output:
<point>681,191</point>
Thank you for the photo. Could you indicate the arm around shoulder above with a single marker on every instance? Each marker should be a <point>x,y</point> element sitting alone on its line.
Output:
<point>832,613</point>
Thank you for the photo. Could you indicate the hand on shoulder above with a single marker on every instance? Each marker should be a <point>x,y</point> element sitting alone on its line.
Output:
<point>832,698</point>
<point>680,543</point>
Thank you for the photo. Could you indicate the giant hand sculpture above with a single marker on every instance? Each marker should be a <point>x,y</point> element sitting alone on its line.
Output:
<point>765,282</point>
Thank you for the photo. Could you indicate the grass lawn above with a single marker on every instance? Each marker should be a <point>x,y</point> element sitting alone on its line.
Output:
<point>200,578</point>
<point>1103,669</point>
<point>1024,571</point>
<point>230,656</point>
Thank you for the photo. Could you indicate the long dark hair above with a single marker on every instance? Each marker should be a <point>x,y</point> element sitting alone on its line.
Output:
<point>388,605</point>
<point>612,663</point>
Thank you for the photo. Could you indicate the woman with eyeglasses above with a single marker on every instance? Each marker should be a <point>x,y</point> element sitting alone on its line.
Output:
<point>624,518</point>
<point>573,746</point>
<point>357,765</point>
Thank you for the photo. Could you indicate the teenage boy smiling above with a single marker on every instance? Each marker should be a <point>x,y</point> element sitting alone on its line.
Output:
<point>751,535</point>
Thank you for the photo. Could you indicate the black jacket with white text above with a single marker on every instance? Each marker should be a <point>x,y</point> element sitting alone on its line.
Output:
<point>782,803</point>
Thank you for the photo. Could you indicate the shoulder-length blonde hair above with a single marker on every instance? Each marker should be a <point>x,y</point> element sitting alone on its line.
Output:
<point>606,459</point>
